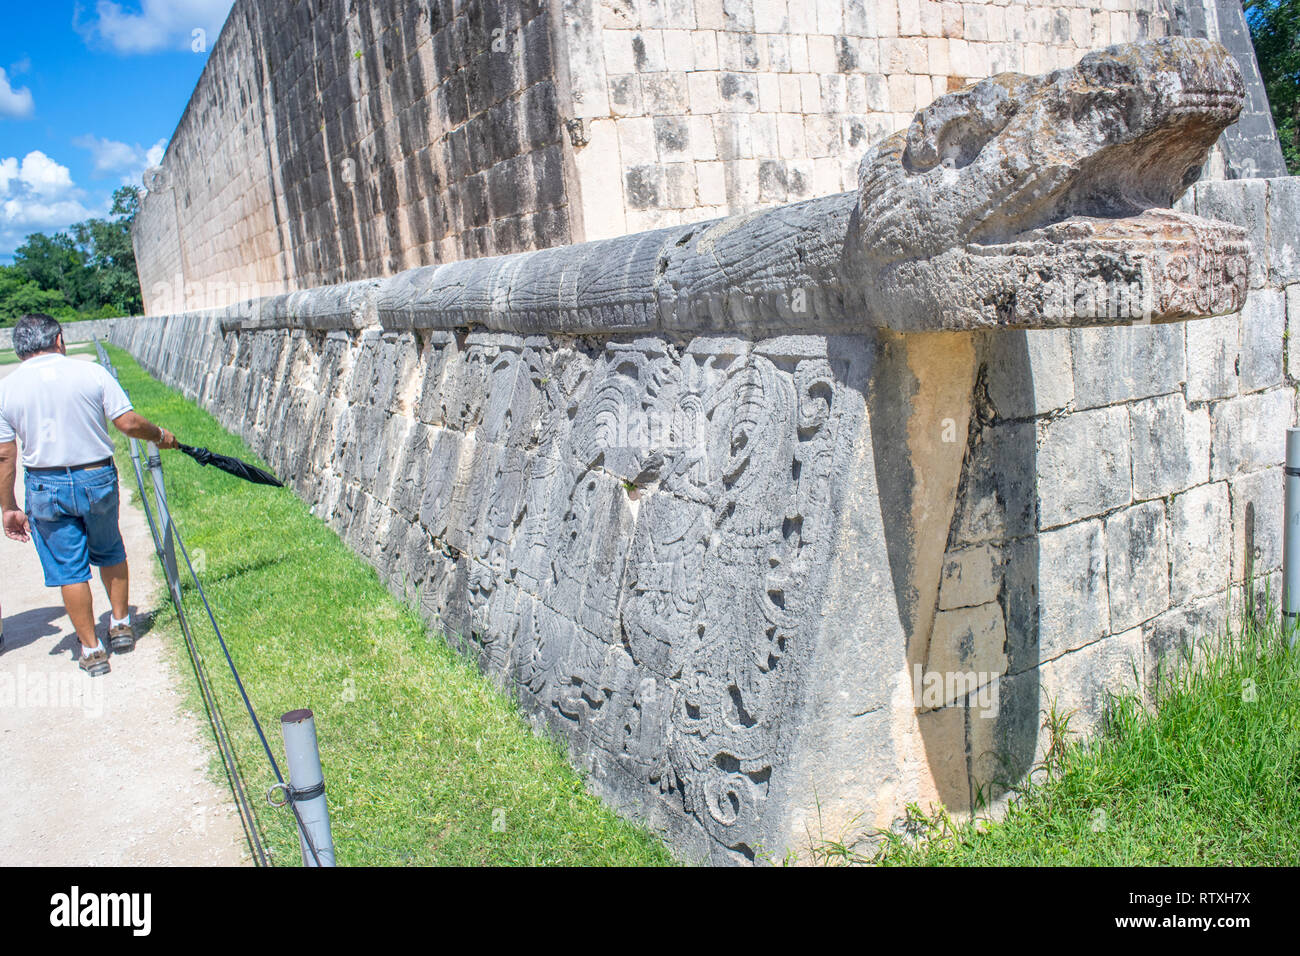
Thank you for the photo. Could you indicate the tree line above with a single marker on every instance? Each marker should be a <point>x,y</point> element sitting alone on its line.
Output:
<point>85,272</point>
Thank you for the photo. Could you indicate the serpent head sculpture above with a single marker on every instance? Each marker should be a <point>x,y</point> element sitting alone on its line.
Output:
<point>1041,201</point>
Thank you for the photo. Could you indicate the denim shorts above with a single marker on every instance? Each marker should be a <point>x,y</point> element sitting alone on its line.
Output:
<point>73,516</point>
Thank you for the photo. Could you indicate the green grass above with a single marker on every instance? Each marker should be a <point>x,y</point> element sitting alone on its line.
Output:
<point>1207,776</point>
<point>425,760</point>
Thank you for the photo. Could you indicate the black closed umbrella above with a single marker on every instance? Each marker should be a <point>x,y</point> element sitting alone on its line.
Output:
<point>233,466</point>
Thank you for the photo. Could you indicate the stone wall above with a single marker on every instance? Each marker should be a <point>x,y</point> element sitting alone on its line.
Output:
<point>73,332</point>
<point>1120,487</point>
<point>330,141</point>
<point>697,554</point>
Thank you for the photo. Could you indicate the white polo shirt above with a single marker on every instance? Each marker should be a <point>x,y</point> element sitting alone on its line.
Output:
<point>59,408</point>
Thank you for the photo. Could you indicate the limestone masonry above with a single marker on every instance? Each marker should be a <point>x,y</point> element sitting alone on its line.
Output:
<point>331,141</point>
<point>787,519</point>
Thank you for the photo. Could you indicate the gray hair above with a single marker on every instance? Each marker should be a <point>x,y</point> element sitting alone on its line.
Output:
<point>34,334</point>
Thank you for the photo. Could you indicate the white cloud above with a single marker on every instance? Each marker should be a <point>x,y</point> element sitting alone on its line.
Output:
<point>156,25</point>
<point>42,176</point>
<point>37,194</point>
<point>14,102</point>
<point>109,156</point>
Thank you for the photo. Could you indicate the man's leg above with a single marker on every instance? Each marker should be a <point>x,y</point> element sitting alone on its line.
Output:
<point>117,582</point>
<point>81,611</point>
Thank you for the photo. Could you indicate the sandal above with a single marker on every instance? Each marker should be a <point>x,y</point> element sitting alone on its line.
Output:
<point>95,664</point>
<point>121,638</point>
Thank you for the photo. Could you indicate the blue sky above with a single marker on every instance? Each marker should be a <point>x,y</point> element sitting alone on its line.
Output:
<point>89,94</point>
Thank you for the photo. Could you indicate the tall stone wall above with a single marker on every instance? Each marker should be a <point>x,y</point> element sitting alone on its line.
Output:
<point>330,141</point>
<point>683,549</point>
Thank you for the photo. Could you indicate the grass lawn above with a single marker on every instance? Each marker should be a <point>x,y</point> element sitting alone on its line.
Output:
<point>1212,777</point>
<point>425,760</point>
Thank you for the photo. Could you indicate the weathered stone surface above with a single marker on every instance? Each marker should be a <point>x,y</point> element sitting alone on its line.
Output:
<point>1292,322</point>
<point>1082,683</point>
<point>998,497</point>
<point>1257,522</point>
<point>1246,202</point>
<point>1171,446</point>
<point>1084,466</point>
<point>1249,432</point>
<point>971,576</point>
<point>1119,365</point>
<point>1049,384</point>
<point>1212,354</point>
<point>1199,526</point>
<point>968,640</point>
<point>1179,636</point>
<point>1283,245</point>
<point>1263,321</point>
<point>1073,606</point>
<point>1137,564</point>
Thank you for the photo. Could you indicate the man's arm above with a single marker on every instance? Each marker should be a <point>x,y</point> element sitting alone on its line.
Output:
<point>15,522</point>
<point>135,425</point>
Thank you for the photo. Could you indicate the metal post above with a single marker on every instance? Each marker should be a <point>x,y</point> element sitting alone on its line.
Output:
<point>1291,537</point>
<point>308,781</point>
<point>164,523</point>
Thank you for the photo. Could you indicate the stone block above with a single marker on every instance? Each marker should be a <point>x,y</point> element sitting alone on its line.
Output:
<point>997,498</point>
<point>1180,636</point>
<point>1243,202</point>
<point>1073,604</point>
<point>1257,523</point>
<point>1284,230</point>
<point>1171,446</point>
<point>1212,357</point>
<point>1249,433</point>
<point>1292,322</point>
<point>1030,372</point>
<point>969,641</point>
<point>1137,564</point>
<point>1084,466</point>
<point>1082,684</point>
<point>971,576</point>
<point>1263,322</point>
<point>1126,362</point>
<point>1199,555</point>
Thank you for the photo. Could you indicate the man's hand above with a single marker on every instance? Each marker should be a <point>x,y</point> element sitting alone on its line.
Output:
<point>16,526</point>
<point>137,426</point>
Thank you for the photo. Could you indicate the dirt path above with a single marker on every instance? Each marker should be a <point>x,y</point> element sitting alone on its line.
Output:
<point>105,770</point>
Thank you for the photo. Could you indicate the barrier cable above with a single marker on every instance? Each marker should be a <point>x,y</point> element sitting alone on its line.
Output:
<point>215,717</point>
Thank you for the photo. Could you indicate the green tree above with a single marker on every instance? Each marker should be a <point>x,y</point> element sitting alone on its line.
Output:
<point>86,272</point>
<point>20,295</point>
<point>1275,31</point>
<point>55,263</point>
<point>110,255</point>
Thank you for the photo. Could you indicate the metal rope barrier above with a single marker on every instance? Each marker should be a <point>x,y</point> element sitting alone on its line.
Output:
<point>163,538</point>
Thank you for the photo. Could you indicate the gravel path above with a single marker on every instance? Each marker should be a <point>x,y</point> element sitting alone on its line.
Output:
<point>107,770</point>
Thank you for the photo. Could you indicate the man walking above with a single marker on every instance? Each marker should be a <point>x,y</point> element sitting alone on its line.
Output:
<point>59,408</point>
